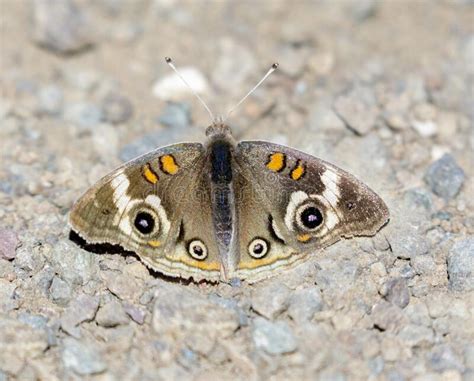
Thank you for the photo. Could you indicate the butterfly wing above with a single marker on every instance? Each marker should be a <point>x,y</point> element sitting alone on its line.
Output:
<point>292,203</point>
<point>157,206</point>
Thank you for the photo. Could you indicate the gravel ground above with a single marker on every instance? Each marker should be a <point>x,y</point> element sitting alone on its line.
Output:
<point>382,89</point>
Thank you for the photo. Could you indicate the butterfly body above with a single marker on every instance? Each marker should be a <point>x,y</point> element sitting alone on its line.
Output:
<point>226,209</point>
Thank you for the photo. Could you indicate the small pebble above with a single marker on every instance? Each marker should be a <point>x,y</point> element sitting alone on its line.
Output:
<point>387,316</point>
<point>176,115</point>
<point>83,358</point>
<point>419,198</point>
<point>363,10</point>
<point>81,309</point>
<point>61,26</point>
<point>445,177</point>
<point>275,338</point>
<point>443,357</point>
<point>396,291</point>
<point>358,109</point>
<point>60,291</point>
<point>117,109</point>
<point>408,242</point>
<point>425,129</point>
<point>461,265</point>
<point>271,299</point>
<point>417,312</point>
<point>8,243</point>
<point>423,264</point>
<point>85,115</point>
<point>415,335</point>
<point>171,87</point>
<point>137,314</point>
<point>111,314</point>
<point>51,100</point>
<point>304,303</point>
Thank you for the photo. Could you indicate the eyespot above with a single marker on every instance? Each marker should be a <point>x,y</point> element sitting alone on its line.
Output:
<point>144,222</point>
<point>258,248</point>
<point>197,250</point>
<point>309,217</point>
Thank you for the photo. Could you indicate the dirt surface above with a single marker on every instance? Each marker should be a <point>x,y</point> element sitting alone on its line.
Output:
<point>382,89</point>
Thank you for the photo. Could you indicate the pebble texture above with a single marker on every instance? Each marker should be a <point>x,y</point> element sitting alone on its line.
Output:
<point>380,88</point>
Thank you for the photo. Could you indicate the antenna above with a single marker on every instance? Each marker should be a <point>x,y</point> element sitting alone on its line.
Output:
<point>270,71</point>
<point>169,61</point>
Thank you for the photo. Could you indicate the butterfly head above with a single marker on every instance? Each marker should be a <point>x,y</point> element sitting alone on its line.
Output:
<point>218,129</point>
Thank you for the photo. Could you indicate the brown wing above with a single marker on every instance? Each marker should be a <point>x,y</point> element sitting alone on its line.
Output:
<point>157,206</point>
<point>299,204</point>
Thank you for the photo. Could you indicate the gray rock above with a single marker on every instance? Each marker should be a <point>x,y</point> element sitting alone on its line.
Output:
<point>363,10</point>
<point>181,312</point>
<point>111,314</point>
<point>8,243</point>
<point>387,316</point>
<point>442,357</point>
<point>7,293</point>
<point>270,300</point>
<point>416,335</point>
<point>75,266</point>
<point>358,109</point>
<point>407,272</point>
<point>231,304</point>
<point>81,309</point>
<point>20,343</point>
<point>337,275</point>
<point>419,198</point>
<point>188,358</point>
<point>275,338</point>
<point>444,177</point>
<point>34,321</point>
<point>83,358</point>
<point>137,314</point>
<point>408,242</point>
<point>423,264</point>
<point>323,118</point>
<point>29,259</point>
<point>50,100</point>
<point>469,354</point>
<point>176,115</point>
<point>461,265</point>
<point>442,215</point>
<point>60,26</point>
<point>376,365</point>
<point>304,303</point>
<point>396,291</point>
<point>122,285</point>
<point>117,109</point>
<point>293,57</point>
<point>60,291</point>
<point>83,114</point>
<point>418,314</point>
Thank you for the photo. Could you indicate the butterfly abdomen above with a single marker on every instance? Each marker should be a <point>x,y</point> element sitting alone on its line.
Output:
<point>223,208</point>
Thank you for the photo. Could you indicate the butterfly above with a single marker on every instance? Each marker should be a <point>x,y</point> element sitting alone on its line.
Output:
<point>226,209</point>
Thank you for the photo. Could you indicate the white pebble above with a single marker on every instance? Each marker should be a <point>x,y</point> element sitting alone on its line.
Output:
<point>425,129</point>
<point>171,87</point>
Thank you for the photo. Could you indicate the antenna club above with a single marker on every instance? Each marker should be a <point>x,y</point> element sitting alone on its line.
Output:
<point>275,65</point>
<point>168,59</point>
